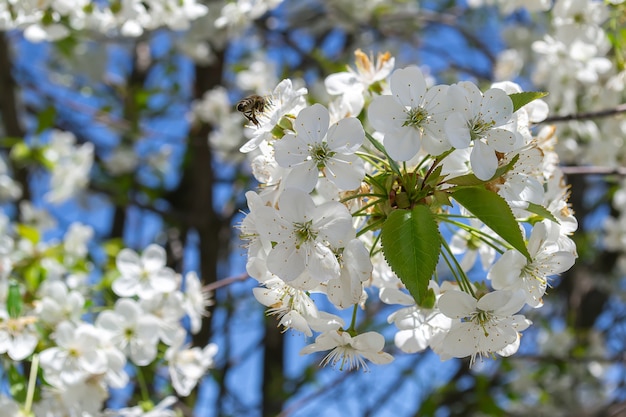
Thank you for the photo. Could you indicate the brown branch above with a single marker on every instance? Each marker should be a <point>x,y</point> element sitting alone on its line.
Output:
<point>568,359</point>
<point>587,115</point>
<point>225,282</point>
<point>316,394</point>
<point>9,109</point>
<point>593,170</point>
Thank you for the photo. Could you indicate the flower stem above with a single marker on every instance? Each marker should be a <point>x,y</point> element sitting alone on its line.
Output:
<point>32,382</point>
<point>353,321</point>
<point>457,271</point>
<point>143,386</point>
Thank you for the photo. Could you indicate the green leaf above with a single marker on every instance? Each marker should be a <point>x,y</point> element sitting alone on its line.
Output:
<point>20,152</point>
<point>28,232</point>
<point>541,211</point>
<point>14,301</point>
<point>113,246</point>
<point>411,245</point>
<point>45,119</point>
<point>494,211</point>
<point>9,141</point>
<point>17,384</point>
<point>428,302</point>
<point>521,99</point>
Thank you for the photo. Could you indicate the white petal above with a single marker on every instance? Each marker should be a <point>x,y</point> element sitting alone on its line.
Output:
<point>321,263</point>
<point>501,140</point>
<point>346,171</point>
<point>408,86</point>
<point>290,150</point>
<point>295,205</point>
<point>125,287</point>
<point>346,136</point>
<point>456,304</point>
<point>142,353</point>
<point>164,281</point>
<point>510,349</point>
<point>457,130</point>
<point>287,261</point>
<point>303,176</point>
<point>496,106</point>
<point>334,224</point>
<point>23,346</point>
<point>312,123</point>
<point>466,98</point>
<point>325,341</point>
<point>109,320</point>
<point>294,320</point>
<point>505,273</point>
<point>386,114</point>
<point>395,296</point>
<point>502,303</point>
<point>379,358</point>
<point>462,340</point>
<point>496,336</point>
<point>403,144</point>
<point>153,258</point>
<point>436,100</point>
<point>341,83</point>
<point>372,341</point>
<point>411,340</point>
<point>129,309</point>
<point>127,262</point>
<point>483,160</point>
<point>266,296</point>
<point>558,262</point>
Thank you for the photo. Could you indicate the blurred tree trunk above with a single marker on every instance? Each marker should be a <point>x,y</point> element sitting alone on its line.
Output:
<point>273,369</point>
<point>11,119</point>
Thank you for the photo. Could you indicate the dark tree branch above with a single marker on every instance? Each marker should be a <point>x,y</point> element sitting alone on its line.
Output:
<point>593,170</point>
<point>9,109</point>
<point>587,115</point>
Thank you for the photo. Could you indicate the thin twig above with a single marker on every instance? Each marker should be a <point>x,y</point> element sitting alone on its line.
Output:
<point>315,394</point>
<point>224,282</point>
<point>593,170</point>
<point>587,115</point>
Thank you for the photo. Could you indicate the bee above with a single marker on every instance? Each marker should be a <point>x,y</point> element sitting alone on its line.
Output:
<point>252,106</point>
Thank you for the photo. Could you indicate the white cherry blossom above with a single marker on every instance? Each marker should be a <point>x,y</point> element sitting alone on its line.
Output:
<point>315,147</point>
<point>71,164</point>
<point>411,117</point>
<point>143,275</point>
<point>58,303</point>
<point>196,301</point>
<point>352,85</point>
<point>349,351</point>
<point>477,120</point>
<point>514,272</point>
<point>488,325</point>
<point>188,365</point>
<point>305,235</point>
<point>356,268</point>
<point>18,335</point>
<point>419,327</point>
<point>76,357</point>
<point>294,308</point>
<point>131,330</point>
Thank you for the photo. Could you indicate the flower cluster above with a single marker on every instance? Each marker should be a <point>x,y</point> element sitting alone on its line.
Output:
<point>354,197</point>
<point>54,19</point>
<point>53,320</point>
